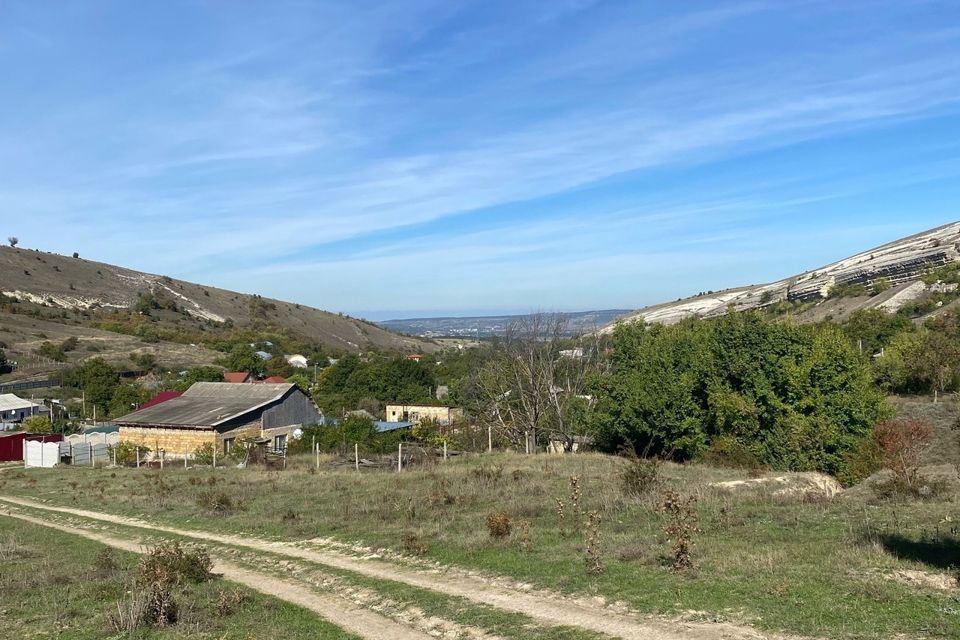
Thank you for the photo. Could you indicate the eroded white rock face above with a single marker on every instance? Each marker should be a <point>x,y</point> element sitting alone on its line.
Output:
<point>788,485</point>
<point>898,262</point>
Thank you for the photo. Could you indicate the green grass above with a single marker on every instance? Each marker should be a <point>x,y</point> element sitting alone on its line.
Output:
<point>805,567</point>
<point>52,588</point>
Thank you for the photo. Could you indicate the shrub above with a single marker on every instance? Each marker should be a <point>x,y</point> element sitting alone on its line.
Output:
<point>37,424</point>
<point>727,451</point>
<point>126,453</point>
<point>901,444</point>
<point>498,524</point>
<point>169,564</point>
<point>639,476</point>
<point>203,454</point>
<point>864,460</point>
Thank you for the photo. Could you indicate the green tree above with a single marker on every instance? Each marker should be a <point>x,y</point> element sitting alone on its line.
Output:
<point>203,373</point>
<point>243,357</point>
<point>793,397</point>
<point>37,424</point>
<point>4,363</point>
<point>872,329</point>
<point>97,379</point>
<point>127,397</point>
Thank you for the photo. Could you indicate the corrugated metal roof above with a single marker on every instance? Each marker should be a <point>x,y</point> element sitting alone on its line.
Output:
<point>11,402</point>
<point>207,404</point>
<point>383,426</point>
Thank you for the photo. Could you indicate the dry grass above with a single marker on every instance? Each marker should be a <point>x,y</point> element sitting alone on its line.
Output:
<point>757,554</point>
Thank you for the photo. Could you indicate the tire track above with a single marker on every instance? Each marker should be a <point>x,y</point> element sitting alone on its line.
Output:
<point>338,611</point>
<point>544,607</point>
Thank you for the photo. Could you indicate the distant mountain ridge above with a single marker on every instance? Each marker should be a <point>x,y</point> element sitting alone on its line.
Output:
<point>900,265</point>
<point>488,326</point>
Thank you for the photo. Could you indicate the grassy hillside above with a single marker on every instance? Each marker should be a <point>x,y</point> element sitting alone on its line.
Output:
<point>90,297</point>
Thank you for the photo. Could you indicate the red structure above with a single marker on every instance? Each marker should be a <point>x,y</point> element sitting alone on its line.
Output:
<point>11,444</point>
<point>163,396</point>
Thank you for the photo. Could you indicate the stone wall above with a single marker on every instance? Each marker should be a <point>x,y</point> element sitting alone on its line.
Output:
<point>175,442</point>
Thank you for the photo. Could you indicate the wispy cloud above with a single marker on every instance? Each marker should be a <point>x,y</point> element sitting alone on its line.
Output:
<point>319,128</point>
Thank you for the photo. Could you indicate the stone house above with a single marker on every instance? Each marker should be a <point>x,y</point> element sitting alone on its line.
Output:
<point>414,413</point>
<point>219,413</point>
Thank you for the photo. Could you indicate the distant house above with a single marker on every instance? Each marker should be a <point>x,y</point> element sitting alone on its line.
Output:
<point>163,396</point>
<point>271,380</point>
<point>15,409</point>
<point>416,357</point>
<point>297,361</point>
<point>264,355</point>
<point>416,412</point>
<point>236,377</point>
<point>219,413</point>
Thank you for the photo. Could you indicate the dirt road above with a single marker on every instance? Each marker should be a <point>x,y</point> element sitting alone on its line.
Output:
<point>544,607</point>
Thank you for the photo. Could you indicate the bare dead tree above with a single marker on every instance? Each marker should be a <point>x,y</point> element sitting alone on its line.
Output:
<point>537,384</point>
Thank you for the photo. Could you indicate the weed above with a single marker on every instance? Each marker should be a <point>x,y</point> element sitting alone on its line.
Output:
<point>498,524</point>
<point>413,543</point>
<point>227,602</point>
<point>218,502</point>
<point>291,516</point>
<point>594,551</point>
<point>523,534</point>
<point>681,526</point>
<point>576,495</point>
<point>131,612</point>
<point>560,510</point>
<point>488,474</point>
<point>105,564</point>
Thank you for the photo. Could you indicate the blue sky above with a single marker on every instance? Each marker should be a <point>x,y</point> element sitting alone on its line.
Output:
<point>392,159</point>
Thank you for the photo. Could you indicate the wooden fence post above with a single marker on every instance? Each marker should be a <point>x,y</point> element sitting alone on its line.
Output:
<point>489,439</point>
<point>92,463</point>
<point>444,449</point>
<point>138,456</point>
<point>356,456</point>
<point>399,457</point>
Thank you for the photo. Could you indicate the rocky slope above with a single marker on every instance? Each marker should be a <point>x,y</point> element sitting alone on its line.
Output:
<point>901,264</point>
<point>50,282</point>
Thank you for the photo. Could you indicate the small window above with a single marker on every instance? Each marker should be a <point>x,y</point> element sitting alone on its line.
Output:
<point>228,445</point>
<point>279,443</point>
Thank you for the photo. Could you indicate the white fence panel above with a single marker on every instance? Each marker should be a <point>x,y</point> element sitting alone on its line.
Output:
<point>42,454</point>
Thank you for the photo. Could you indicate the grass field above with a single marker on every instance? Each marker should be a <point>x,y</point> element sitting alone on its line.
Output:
<point>825,568</point>
<point>56,585</point>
